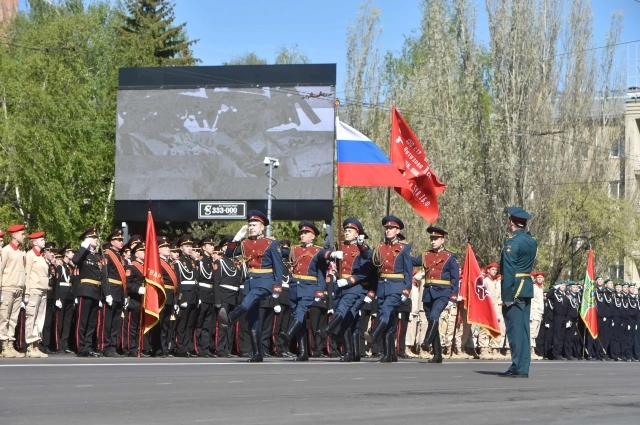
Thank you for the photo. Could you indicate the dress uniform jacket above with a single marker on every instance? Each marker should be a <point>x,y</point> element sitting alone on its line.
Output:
<point>226,281</point>
<point>63,289</point>
<point>206,292</point>
<point>187,273</point>
<point>90,283</point>
<point>115,274</point>
<point>263,260</point>
<point>355,266</point>
<point>441,275</point>
<point>395,266</point>
<point>170,281</point>
<point>309,270</point>
<point>135,280</point>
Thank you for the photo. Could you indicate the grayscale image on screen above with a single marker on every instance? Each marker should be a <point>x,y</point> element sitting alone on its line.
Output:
<point>210,143</point>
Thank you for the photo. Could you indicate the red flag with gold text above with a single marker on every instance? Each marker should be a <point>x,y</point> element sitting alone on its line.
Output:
<point>154,297</point>
<point>407,155</point>
<point>476,298</point>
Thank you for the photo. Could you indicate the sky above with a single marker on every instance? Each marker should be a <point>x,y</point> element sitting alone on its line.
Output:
<point>227,29</point>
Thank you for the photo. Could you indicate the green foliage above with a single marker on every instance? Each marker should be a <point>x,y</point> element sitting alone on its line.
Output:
<point>249,58</point>
<point>290,55</point>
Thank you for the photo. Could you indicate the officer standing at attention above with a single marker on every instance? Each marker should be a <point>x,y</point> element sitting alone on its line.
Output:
<point>114,301</point>
<point>187,294</point>
<point>393,259</point>
<point>63,294</point>
<point>518,255</point>
<point>441,283</point>
<point>264,275</point>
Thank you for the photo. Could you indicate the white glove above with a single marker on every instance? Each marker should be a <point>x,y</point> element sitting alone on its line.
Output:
<point>277,309</point>
<point>176,309</point>
<point>126,304</point>
<point>276,295</point>
<point>316,300</point>
<point>628,327</point>
<point>26,299</point>
<point>58,304</point>
<point>368,299</point>
<point>199,302</point>
<point>330,311</point>
<point>183,305</point>
<point>403,298</point>
<point>337,255</point>
<point>360,240</point>
<point>99,304</point>
<point>568,324</point>
<point>612,324</point>
<point>459,298</point>
<point>86,243</point>
<point>142,290</point>
<point>411,317</point>
<point>449,305</point>
<point>241,233</point>
<point>342,283</point>
<point>374,314</point>
<point>636,327</point>
<point>604,319</point>
<point>546,325</point>
<point>22,306</point>
<point>109,300</point>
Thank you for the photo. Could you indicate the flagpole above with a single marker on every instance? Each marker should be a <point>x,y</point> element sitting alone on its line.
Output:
<point>388,201</point>
<point>336,104</point>
<point>144,297</point>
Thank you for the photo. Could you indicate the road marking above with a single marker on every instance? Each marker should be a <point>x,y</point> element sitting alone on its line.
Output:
<point>234,382</point>
<point>299,380</point>
<point>357,379</point>
<point>163,383</point>
<point>83,386</point>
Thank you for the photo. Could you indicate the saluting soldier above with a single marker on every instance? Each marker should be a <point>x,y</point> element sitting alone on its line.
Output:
<point>352,287</point>
<point>227,278</point>
<point>91,287</point>
<point>49,345</point>
<point>441,283</point>
<point>35,299</point>
<point>516,264</point>
<point>395,265</point>
<point>135,291</point>
<point>63,295</point>
<point>264,274</point>
<point>170,282</point>
<point>206,300</point>
<point>187,274</point>
<point>12,284</point>
<point>116,282</point>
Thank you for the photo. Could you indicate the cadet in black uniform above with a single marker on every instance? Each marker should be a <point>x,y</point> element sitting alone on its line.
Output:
<point>547,319</point>
<point>572,343</point>
<point>603,308</point>
<point>187,294</point>
<point>135,291</point>
<point>89,292</point>
<point>617,333</point>
<point>63,295</point>
<point>116,279</point>
<point>49,345</point>
<point>164,328</point>
<point>634,314</point>
<point>560,307</point>
<point>227,278</point>
<point>626,324</point>
<point>206,301</point>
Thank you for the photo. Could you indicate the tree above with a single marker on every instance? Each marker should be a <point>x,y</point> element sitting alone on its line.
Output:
<point>249,58</point>
<point>290,55</point>
<point>148,31</point>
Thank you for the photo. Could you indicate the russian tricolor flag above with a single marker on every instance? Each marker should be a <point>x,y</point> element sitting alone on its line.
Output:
<point>362,163</point>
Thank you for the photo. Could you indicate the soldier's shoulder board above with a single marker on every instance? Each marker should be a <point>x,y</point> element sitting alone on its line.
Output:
<point>271,238</point>
<point>403,242</point>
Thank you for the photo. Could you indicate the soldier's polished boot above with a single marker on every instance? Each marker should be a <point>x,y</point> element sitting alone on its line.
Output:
<point>256,346</point>
<point>303,355</point>
<point>332,327</point>
<point>386,356</point>
<point>291,333</point>
<point>347,339</point>
<point>393,350</point>
<point>437,350</point>
<point>235,315</point>
<point>432,329</point>
<point>356,347</point>
<point>381,327</point>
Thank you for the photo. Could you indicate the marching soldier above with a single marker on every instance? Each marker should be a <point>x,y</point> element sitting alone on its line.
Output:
<point>35,299</point>
<point>264,274</point>
<point>395,264</point>
<point>116,282</point>
<point>47,343</point>
<point>89,291</point>
<point>206,300</point>
<point>308,283</point>
<point>227,278</point>
<point>283,310</point>
<point>12,285</point>
<point>187,294</point>
<point>442,277</point>
<point>63,295</point>
<point>135,291</point>
<point>352,287</point>
<point>518,255</point>
<point>170,281</point>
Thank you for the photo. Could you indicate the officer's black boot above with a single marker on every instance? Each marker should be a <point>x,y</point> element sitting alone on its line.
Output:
<point>437,349</point>
<point>381,327</point>
<point>393,350</point>
<point>235,315</point>
<point>386,357</point>
<point>256,346</point>
<point>332,326</point>
<point>356,347</point>
<point>291,333</point>
<point>432,328</point>
<point>303,355</point>
<point>347,353</point>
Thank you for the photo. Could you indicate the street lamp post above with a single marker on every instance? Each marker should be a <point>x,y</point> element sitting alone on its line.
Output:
<point>272,163</point>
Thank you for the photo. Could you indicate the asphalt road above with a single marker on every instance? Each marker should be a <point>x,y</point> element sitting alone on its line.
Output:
<point>68,390</point>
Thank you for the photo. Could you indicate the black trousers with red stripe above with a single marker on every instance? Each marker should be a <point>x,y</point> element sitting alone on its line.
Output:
<point>47,341</point>
<point>132,337</point>
<point>86,323</point>
<point>224,334</point>
<point>205,328</point>
<point>63,319</point>
<point>282,323</point>
<point>111,326</point>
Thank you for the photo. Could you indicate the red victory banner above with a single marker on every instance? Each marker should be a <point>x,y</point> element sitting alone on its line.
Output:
<point>407,155</point>
<point>154,297</point>
<point>477,300</point>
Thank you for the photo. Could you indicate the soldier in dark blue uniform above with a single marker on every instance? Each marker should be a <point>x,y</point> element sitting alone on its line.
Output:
<point>516,264</point>
<point>351,288</point>
<point>307,283</point>
<point>187,294</point>
<point>89,291</point>
<point>264,274</point>
<point>441,283</point>
<point>63,295</point>
<point>395,264</point>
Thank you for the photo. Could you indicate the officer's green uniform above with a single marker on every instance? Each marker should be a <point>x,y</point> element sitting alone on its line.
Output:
<point>518,255</point>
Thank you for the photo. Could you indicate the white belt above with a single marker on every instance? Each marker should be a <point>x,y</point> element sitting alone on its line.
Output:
<point>233,288</point>
<point>285,285</point>
<point>205,285</point>
<point>188,282</point>
<point>65,284</point>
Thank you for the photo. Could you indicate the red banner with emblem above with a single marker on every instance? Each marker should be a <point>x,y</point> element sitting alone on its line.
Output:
<point>476,298</point>
<point>154,297</point>
<point>407,155</point>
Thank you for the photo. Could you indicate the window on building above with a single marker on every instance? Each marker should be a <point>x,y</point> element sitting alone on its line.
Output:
<point>616,271</point>
<point>615,189</point>
<point>617,150</point>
